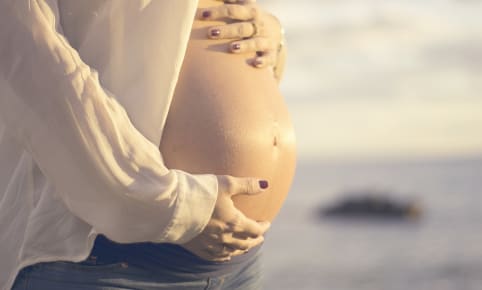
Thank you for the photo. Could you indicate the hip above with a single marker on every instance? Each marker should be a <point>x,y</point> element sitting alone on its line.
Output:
<point>142,266</point>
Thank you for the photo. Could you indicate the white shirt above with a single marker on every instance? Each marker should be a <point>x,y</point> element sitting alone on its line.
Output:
<point>79,149</point>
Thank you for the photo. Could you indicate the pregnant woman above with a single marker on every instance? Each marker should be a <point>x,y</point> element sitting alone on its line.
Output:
<point>225,118</point>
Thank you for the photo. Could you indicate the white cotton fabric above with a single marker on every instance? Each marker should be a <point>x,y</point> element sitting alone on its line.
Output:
<point>80,128</point>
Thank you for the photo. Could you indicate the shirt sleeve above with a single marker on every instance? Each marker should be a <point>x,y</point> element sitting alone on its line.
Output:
<point>106,172</point>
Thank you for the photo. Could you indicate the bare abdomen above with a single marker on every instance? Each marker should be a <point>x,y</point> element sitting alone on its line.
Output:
<point>229,118</point>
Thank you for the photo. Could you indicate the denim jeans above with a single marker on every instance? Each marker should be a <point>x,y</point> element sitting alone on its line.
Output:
<point>97,273</point>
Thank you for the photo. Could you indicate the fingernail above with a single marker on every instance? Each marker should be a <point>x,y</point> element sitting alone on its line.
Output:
<point>236,46</point>
<point>206,14</point>
<point>258,62</point>
<point>263,184</point>
<point>215,32</point>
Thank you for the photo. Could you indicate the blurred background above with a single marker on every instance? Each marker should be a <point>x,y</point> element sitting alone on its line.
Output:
<point>384,95</point>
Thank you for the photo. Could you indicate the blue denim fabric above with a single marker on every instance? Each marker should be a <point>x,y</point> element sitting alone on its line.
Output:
<point>97,275</point>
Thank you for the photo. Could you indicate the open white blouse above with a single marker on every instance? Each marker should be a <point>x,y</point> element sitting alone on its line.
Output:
<point>80,128</point>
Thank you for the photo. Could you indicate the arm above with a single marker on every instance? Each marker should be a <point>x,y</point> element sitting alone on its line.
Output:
<point>106,172</point>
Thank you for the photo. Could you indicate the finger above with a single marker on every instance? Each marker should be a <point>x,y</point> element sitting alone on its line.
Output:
<point>232,31</point>
<point>247,186</point>
<point>219,251</point>
<point>242,244</point>
<point>206,252</point>
<point>249,228</point>
<point>241,185</point>
<point>247,235</point>
<point>215,227</point>
<point>237,253</point>
<point>229,11</point>
<point>265,59</point>
<point>253,45</point>
<point>214,257</point>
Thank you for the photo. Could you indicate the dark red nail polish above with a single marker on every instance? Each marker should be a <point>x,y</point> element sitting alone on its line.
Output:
<point>236,46</point>
<point>206,14</point>
<point>215,32</point>
<point>263,184</point>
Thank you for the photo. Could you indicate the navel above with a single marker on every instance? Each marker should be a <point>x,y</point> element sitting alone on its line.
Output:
<point>276,134</point>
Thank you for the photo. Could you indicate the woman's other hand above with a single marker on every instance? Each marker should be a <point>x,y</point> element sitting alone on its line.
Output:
<point>229,232</point>
<point>253,31</point>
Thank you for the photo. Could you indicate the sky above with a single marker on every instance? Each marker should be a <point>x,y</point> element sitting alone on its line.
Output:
<point>383,79</point>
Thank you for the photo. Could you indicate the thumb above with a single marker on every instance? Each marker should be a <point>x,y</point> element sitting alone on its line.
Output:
<point>242,185</point>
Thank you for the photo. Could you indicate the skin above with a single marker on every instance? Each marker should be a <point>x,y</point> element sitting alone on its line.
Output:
<point>255,31</point>
<point>229,232</point>
<point>228,118</point>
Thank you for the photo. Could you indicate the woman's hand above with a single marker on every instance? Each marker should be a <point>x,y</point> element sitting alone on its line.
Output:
<point>229,232</point>
<point>254,31</point>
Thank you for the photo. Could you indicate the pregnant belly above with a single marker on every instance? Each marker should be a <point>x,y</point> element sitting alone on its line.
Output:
<point>229,118</point>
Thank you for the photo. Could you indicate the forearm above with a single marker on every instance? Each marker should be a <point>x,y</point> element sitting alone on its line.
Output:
<point>103,168</point>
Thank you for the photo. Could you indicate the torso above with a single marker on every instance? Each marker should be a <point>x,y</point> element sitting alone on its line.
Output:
<point>225,118</point>
<point>228,118</point>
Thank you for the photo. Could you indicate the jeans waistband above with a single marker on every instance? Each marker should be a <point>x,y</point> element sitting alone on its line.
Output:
<point>165,256</point>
